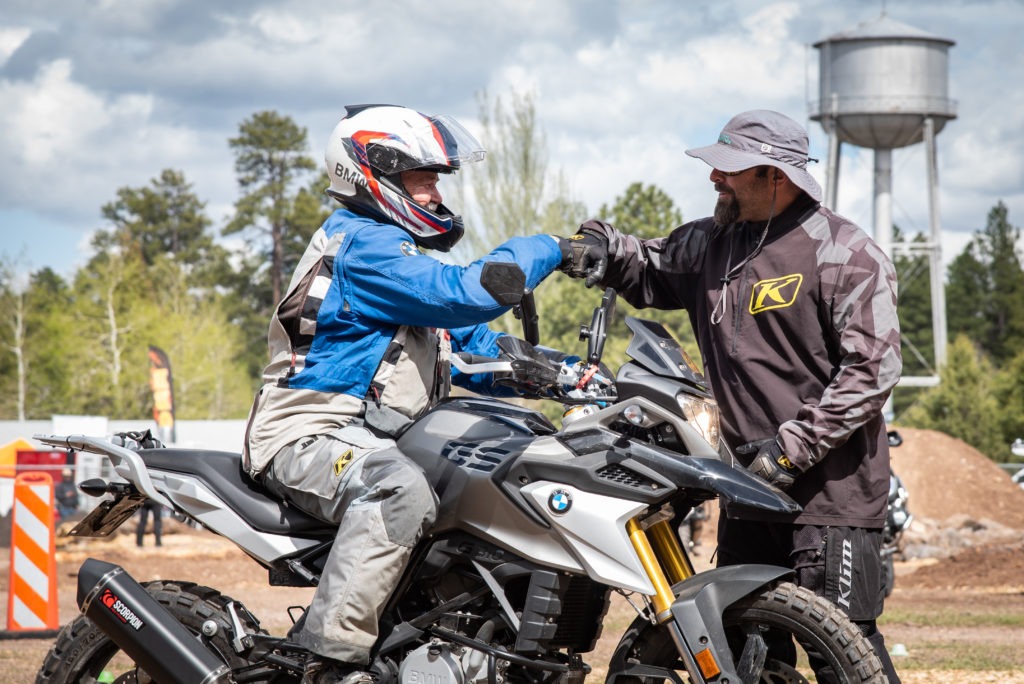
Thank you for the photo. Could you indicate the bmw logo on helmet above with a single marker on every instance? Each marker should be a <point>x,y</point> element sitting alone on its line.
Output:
<point>560,501</point>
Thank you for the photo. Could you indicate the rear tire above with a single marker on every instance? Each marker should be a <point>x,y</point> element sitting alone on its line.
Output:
<point>811,623</point>
<point>82,652</point>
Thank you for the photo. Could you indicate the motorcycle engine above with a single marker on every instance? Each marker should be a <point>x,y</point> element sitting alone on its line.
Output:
<point>431,662</point>
<point>445,663</point>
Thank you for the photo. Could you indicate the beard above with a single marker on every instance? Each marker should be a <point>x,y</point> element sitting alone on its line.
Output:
<point>727,210</point>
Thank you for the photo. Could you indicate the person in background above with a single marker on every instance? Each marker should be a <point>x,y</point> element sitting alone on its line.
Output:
<point>150,507</point>
<point>794,309</point>
<point>65,494</point>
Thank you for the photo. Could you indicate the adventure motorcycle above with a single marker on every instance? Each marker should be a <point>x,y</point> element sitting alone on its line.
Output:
<point>897,521</point>
<point>536,528</point>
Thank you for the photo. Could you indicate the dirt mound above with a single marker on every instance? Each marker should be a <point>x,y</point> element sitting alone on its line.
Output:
<point>968,528</point>
<point>996,567</point>
<point>946,477</point>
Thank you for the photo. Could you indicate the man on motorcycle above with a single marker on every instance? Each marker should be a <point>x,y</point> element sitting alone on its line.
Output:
<point>794,309</point>
<point>360,346</point>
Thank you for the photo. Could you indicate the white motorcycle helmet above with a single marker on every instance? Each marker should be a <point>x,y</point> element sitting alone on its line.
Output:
<point>373,144</point>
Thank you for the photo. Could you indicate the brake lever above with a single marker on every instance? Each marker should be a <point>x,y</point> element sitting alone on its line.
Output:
<point>472,364</point>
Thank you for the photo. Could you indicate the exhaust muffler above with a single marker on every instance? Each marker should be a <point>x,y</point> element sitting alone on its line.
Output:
<point>144,629</point>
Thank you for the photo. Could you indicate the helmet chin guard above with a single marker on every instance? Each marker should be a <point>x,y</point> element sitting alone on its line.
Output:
<point>373,144</point>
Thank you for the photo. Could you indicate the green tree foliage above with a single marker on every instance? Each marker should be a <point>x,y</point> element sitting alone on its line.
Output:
<point>162,221</point>
<point>509,185</point>
<point>915,315</point>
<point>647,212</point>
<point>53,337</point>
<point>271,159</point>
<point>564,304</point>
<point>915,305</point>
<point>1008,389</point>
<point>35,336</point>
<point>278,212</point>
<point>108,292</point>
<point>985,294</point>
<point>211,378</point>
<point>120,307</point>
<point>963,405</point>
<point>146,283</point>
<point>13,338</point>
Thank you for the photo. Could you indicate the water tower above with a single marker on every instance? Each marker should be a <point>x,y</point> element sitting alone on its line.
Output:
<point>883,85</point>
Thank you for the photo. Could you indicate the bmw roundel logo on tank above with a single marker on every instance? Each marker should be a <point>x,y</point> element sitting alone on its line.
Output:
<point>560,501</point>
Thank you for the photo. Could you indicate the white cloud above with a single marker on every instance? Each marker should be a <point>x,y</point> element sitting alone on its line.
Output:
<point>52,119</point>
<point>622,87</point>
<point>10,40</point>
<point>66,149</point>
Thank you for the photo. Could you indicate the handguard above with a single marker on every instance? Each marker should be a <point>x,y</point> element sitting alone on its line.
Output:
<point>530,367</point>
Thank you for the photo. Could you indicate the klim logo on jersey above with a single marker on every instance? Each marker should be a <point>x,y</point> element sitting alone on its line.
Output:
<point>775,293</point>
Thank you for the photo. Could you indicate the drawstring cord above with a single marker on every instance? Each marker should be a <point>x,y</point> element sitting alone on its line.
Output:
<point>718,313</point>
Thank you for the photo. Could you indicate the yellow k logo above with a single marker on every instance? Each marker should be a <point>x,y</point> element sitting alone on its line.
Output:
<point>340,464</point>
<point>775,293</point>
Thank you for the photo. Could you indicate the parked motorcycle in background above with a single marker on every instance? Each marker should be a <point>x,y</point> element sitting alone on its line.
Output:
<point>692,529</point>
<point>1017,449</point>
<point>897,521</point>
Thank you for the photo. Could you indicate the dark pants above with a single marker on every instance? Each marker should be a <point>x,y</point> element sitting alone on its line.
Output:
<point>157,524</point>
<point>842,564</point>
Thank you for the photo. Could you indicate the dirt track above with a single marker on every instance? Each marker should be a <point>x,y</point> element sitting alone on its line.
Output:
<point>202,558</point>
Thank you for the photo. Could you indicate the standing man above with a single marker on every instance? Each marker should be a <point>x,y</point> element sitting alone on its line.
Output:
<point>65,494</point>
<point>794,309</point>
<point>150,507</point>
<point>360,346</point>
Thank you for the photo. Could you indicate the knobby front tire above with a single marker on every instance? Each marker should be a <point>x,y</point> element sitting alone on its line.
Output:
<point>810,623</point>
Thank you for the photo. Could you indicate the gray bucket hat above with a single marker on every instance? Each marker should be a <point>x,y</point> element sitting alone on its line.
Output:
<point>762,137</point>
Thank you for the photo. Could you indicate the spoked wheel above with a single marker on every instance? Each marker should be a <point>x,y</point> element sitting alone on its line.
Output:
<point>773,636</point>
<point>83,654</point>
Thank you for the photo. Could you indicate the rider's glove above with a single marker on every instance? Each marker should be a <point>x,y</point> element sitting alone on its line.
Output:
<point>585,255</point>
<point>770,463</point>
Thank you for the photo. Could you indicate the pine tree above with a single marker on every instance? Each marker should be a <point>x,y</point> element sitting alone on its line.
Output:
<point>985,294</point>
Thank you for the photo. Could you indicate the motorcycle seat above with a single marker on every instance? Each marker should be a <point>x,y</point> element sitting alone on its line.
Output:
<point>222,472</point>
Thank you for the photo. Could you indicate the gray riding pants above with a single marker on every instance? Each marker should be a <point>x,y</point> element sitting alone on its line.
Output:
<point>382,504</point>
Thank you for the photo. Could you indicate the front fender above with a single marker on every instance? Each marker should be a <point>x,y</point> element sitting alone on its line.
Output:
<point>702,599</point>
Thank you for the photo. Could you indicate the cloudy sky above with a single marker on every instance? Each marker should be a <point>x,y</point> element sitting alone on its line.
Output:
<point>96,95</point>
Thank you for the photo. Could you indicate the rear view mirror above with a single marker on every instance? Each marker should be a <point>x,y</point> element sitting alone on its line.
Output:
<point>504,281</point>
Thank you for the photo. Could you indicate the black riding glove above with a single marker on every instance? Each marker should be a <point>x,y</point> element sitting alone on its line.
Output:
<point>770,463</point>
<point>584,255</point>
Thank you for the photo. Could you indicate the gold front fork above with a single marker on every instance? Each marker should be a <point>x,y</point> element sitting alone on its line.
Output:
<point>662,557</point>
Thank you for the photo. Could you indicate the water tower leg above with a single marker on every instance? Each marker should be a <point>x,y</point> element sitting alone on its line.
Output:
<point>883,200</point>
<point>883,223</point>
<point>938,291</point>
<point>832,172</point>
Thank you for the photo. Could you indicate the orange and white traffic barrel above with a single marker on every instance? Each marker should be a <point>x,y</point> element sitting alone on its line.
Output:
<point>32,589</point>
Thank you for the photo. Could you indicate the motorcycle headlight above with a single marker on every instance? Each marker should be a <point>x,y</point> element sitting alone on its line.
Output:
<point>702,413</point>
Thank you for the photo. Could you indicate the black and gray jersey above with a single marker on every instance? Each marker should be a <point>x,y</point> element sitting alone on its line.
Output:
<point>796,323</point>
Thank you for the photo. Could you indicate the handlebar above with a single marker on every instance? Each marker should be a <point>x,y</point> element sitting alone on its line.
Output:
<point>534,376</point>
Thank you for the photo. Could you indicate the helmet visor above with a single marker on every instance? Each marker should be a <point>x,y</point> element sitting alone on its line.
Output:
<point>438,143</point>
